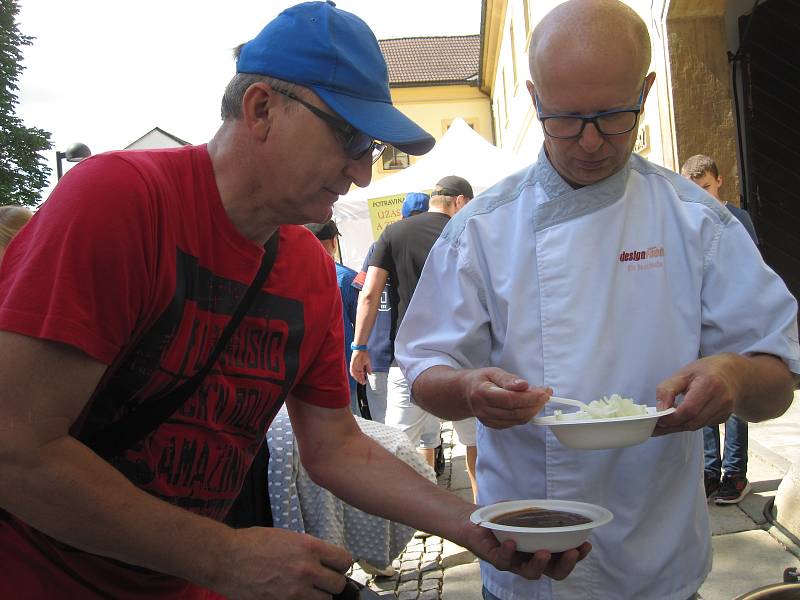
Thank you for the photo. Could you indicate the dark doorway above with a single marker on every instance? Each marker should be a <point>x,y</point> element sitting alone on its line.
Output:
<point>770,72</point>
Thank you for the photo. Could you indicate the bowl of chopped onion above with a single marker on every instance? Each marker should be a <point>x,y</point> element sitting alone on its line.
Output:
<point>611,422</point>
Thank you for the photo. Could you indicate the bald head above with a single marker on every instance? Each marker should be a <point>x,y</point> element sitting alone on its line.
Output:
<point>589,35</point>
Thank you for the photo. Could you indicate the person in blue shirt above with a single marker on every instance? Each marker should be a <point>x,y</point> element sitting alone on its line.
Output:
<point>381,348</point>
<point>328,235</point>
<point>380,343</point>
<point>732,486</point>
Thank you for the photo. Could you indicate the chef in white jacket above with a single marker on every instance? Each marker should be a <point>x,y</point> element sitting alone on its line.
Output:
<point>595,272</point>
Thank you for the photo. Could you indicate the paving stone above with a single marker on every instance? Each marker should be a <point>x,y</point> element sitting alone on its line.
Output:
<point>433,545</point>
<point>412,555</point>
<point>409,576</point>
<point>429,595</point>
<point>728,519</point>
<point>432,575</point>
<point>408,595</point>
<point>430,566</point>
<point>407,586</point>
<point>430,584</point>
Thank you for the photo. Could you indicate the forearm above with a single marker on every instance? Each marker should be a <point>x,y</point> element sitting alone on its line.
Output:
<point>357,469</point>
<point>365,317</point>
<point>66,491</point>
<point>765,387</point>
<point>444,392</point>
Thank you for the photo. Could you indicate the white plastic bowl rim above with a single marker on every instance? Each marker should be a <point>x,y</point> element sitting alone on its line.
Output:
<point>652,413</point>
<point>598,515</point>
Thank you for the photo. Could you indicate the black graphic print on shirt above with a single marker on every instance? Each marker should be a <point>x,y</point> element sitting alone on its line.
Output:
<point>198,457</point>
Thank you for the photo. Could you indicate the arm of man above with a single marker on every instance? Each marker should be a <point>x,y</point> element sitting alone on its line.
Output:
<point>748,342</point>
<point>339,457</point>
<point>756,388</point>
<point>60,487</point>
<point>499,399</point>
<point>369,300</point>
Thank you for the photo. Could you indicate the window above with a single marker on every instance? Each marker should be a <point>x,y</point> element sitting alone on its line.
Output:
<point>394,159</point>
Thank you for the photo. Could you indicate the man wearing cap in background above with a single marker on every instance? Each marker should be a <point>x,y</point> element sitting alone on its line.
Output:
<point>328,235</point>
<point>400,255</point>
<point>115,294</point>
<point>380,344</point>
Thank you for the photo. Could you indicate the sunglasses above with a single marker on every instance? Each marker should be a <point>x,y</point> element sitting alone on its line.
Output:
<point>356,144</point>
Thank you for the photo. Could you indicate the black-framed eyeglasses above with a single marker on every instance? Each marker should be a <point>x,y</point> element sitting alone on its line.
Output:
<point>611,122</point>
<point>356,144</point>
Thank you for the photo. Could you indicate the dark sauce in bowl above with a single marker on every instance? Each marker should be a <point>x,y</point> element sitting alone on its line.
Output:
<point>540,517</point>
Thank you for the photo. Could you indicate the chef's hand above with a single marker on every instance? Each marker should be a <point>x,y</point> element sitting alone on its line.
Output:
<point>500,399</point>
<point>483,544</point>
<point>709,387</point>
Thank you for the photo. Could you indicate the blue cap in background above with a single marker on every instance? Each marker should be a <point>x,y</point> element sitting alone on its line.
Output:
<point>415,202</point>
<point>335,54</point>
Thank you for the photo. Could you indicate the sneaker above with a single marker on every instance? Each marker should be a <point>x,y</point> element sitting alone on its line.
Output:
<point>732,489</point>
<point>712,484</point>
<point>438,461</point>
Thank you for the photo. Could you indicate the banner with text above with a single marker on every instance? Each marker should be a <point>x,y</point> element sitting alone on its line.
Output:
<point>384,211</point>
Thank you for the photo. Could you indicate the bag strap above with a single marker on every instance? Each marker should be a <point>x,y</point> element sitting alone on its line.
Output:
<point>145,418</point>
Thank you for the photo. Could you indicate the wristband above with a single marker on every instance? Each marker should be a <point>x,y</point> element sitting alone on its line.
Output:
<point>354,346</point>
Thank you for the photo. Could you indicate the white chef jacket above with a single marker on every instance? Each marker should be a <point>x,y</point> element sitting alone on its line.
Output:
<point>610,288</point>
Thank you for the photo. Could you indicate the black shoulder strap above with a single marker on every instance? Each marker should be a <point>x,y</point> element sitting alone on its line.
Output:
<point>121,435</point>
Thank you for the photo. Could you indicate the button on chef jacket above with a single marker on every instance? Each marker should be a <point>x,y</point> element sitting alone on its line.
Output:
<point>610,288</point>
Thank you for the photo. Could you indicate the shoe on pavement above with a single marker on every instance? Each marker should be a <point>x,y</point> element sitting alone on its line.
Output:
<point>712,484</point>
<point>732,489</point>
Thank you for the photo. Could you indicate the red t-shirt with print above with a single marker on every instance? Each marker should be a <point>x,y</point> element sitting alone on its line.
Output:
<point>134,261</point>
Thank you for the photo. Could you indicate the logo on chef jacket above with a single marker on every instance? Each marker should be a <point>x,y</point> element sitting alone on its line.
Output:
<point>641,260</point>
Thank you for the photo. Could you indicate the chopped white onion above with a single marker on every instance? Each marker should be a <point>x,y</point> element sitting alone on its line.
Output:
<point>605,408</point>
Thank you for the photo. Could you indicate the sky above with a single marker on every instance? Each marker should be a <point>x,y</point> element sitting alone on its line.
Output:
<point>105,72</point>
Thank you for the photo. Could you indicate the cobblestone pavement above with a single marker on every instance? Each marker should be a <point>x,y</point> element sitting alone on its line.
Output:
<point>419,570</point>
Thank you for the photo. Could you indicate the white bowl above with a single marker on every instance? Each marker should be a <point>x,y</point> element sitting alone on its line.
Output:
<point>531,539</point>
<point>598,434</point>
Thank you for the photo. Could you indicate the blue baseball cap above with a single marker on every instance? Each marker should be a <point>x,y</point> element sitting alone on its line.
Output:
<point>335,54</point>
<point>415,202</point>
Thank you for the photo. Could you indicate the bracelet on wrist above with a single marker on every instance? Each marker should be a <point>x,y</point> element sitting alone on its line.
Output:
<point>354,346</point>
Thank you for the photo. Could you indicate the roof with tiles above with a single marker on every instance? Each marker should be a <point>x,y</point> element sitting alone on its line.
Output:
<point>435,60</point>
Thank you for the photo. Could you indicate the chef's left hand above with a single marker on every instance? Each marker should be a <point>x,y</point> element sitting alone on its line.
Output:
<point>709,386</point>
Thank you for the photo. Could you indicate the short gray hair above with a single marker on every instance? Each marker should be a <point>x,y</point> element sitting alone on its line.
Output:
<point>239,84</point>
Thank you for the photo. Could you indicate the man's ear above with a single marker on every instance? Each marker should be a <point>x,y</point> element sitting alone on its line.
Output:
<point>719,180</point>
<point>258,104</point>
<point>531,88</point>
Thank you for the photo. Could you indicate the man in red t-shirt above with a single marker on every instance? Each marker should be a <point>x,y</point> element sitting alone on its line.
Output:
<point>116,293</point>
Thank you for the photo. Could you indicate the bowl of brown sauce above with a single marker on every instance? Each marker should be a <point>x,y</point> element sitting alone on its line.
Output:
<point>554,525</point>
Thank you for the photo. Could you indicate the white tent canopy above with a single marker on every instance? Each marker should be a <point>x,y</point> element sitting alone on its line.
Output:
<point>461,151</point>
